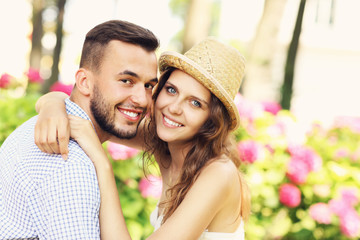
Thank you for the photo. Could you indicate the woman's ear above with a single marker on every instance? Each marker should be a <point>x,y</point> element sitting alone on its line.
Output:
<point>83,81</point>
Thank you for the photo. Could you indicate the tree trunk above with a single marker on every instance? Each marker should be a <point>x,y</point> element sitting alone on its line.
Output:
<point>259,84</point>
<point>287,88</point>
<point>197,23</point>
<point>57,50</point>
<point>37,34</point>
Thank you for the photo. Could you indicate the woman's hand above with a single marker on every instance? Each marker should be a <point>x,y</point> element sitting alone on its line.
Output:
<point>112,222</point>
<point>84,133</point>
<point>52,130</point>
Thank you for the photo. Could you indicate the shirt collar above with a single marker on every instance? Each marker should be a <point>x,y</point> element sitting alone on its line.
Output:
<point>74,109</point>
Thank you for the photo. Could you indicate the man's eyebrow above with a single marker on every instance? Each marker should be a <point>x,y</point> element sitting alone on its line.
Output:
<point>155,80</point>
<point>128,72</point>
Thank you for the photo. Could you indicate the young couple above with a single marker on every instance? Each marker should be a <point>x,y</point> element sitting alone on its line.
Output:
<point>188,131</point>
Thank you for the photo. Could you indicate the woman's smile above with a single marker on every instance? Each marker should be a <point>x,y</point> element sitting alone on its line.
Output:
<point>171,123</point>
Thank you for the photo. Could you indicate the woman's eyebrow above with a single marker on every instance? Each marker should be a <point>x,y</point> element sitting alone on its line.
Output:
<point>200,99</point>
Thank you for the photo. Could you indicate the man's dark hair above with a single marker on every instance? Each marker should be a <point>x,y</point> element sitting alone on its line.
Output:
<point>97,39</point>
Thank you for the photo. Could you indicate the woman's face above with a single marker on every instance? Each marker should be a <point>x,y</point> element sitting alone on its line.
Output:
<point>182,107</point>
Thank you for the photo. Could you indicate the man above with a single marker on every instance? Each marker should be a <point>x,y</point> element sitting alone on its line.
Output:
<point>41,195</point>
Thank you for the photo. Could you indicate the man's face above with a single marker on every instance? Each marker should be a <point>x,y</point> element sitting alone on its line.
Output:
<point>123,88</point>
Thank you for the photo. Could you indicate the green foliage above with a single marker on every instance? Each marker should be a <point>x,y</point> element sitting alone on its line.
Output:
<point>338,150</point>
<point>15,111</point>
<point>136,209</point>
<point>338,147</point>
<point>179,7</point>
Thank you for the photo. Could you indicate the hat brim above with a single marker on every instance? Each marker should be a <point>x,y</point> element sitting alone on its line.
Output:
<point>183,63</point>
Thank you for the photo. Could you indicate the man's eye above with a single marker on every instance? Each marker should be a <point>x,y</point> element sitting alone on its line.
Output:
<point>170,90</point>
<point>149,86</point>
<point>127,81</point>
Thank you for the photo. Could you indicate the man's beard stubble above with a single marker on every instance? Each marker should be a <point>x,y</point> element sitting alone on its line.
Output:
<point>100,109</point>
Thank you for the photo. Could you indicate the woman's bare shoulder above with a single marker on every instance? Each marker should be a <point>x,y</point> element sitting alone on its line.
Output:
<point>222,170</point>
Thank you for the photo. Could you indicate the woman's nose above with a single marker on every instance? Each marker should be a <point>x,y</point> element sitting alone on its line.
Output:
<point>175,108</point>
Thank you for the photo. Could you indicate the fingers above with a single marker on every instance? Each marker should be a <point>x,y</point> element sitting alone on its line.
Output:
<point>63,139</point>
<point>81,129</point>
<point>41,138</point>
<point>52,135</point>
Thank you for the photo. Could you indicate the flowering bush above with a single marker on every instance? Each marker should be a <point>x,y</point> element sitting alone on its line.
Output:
<point>305,184</point>
<point>121,152</point>
<point>289,195</point>
<point>5,80</point>
<point>151,186</point>
<point>304,181</point>
<point>139,193</point>
<point>61,87</point>
<point>34,76</point>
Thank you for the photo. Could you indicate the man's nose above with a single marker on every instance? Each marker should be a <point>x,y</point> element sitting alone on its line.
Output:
<point>139,96</point>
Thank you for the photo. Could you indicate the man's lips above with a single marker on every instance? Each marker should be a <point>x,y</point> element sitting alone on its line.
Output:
<point>131,114</point>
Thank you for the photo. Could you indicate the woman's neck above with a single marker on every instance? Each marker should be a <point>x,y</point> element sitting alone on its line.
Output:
<point>178,153</point>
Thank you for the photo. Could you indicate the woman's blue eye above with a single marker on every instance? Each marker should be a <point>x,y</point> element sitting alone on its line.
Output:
<point>170,90</point>
<point>196,103</point>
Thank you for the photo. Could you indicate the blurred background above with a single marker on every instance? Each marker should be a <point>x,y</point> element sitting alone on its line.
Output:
<point>301,88</point>
<point>323,60</point>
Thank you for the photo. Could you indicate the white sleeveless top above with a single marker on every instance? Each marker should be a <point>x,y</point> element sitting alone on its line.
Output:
<point>239,234</point>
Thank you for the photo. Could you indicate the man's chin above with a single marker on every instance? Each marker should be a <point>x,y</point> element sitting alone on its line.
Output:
<point>124,133</point>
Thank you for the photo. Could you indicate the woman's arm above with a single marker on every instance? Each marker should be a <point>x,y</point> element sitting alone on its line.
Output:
<point>207,197</point>
<point>112,223</point>
<point>52,131</point>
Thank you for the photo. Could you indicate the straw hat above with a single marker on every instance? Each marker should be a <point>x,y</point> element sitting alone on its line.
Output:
<point>219,67</point>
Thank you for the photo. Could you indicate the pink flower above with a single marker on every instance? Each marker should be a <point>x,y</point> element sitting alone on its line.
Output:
<point>249,151</point>
<point>350,224</point>
<point>5,80</point>
<point>338,206</point>
<point>271,107</point>
<point>121,152</point>
<point>60,87</point>
<point>297,171</point>
<point>151,186</point>
<point>321,213</point>
<point>343,208</point>
<point>306,155</point>
<point>289,195</point>
<point>34,76</point>
<point>247,110</point>
<point>350,195</point>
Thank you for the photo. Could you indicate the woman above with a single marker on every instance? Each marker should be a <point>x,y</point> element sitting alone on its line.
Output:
<point>189,133</point>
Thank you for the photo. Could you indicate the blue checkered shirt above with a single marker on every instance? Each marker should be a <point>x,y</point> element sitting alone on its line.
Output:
<point>41,195</point>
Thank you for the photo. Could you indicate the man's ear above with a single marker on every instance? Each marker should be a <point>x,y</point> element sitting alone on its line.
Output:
<point>83,80</point>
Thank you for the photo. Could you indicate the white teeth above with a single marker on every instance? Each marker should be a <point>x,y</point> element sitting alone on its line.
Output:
<point>130,114</point>
<point>171,122</point>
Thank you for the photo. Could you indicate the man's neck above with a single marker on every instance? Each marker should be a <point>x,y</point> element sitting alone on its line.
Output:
<point>84,104</point>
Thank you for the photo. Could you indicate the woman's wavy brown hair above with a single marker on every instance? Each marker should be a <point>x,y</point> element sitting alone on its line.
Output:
<point>212,140</point>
